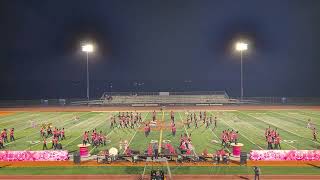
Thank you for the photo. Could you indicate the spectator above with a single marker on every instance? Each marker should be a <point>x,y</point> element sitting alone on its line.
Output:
<point>257,173</point>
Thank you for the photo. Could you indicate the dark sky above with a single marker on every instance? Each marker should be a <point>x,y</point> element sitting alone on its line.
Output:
<point>162,43</point>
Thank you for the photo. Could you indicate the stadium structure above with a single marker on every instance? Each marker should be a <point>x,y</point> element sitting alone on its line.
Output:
<point>141,99</point>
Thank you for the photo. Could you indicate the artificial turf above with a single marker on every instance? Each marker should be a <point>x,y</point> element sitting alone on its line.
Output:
<point>251,124</point>
<point>291,125</point>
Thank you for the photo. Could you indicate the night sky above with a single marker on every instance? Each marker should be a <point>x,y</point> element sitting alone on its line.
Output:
<point>161,45</point>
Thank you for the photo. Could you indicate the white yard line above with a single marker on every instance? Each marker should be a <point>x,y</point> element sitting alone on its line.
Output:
<point>263,132</point>
<point>21,124</point>
<point>241,134</point>
<point>289,144</point>
<point>25,115</point>
<point>194,149</point>
<point>260,130</point>
<point>51,119</point>
<point>283,129</point>
<point>71,127</point>
<point>217,137</point>
<point>300,120</point>
<point>160,138</point>
<point>93,118</point>
<point>144,171</point>
<point>281,141</point>
<point>106,136</point>
<point>136,131</point>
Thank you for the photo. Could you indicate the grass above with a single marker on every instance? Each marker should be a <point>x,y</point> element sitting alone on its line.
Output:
<point>251,125</point>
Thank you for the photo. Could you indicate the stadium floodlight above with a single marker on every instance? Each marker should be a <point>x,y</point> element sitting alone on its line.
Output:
<point>88,48</point>
<point>241,47</point>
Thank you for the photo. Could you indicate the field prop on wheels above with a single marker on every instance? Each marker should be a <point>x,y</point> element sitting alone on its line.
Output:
<point>236,149</point>
<point>84,150</point>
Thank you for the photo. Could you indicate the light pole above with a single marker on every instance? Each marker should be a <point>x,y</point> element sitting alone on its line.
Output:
<point>88,48</point>
<point>241,46</point>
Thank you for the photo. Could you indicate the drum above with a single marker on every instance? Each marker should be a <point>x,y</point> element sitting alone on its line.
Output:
<point>113,151</point>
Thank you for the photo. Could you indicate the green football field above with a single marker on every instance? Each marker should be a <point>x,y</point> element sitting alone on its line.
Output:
<point>251,124</point>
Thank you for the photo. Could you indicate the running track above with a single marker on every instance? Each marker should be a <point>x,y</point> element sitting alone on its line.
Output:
<point>176,177</point>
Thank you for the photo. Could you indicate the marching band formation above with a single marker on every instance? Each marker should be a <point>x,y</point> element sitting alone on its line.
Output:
<point>134,120</point>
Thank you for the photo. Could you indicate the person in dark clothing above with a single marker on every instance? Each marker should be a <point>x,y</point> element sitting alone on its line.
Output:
<point>155,150</point>
<point>257,173</point>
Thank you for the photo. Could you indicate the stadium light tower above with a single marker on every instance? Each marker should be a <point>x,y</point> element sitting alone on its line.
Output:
<point>241,47</point>
<point>88,48</point>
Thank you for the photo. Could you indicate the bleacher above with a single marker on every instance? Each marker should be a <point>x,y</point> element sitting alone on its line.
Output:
<point>164,98</point>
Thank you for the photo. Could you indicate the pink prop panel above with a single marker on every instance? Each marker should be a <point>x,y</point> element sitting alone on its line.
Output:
<point>84,151</point>
<point>33,155</point>
<point>236,151</point>
<point>285,155</point>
